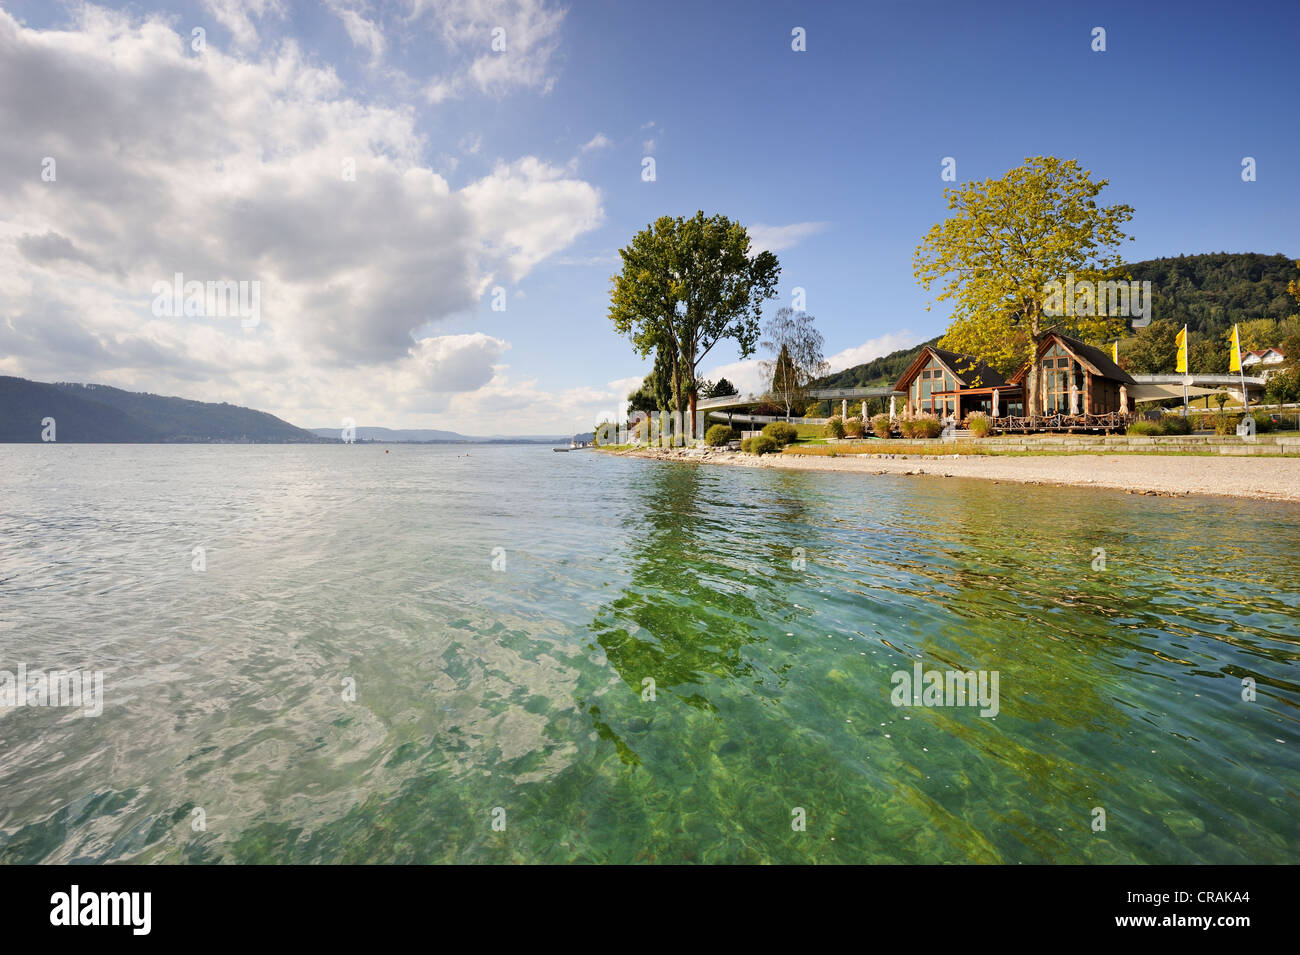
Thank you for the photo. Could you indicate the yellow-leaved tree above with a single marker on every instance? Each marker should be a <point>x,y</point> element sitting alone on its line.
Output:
<point>1005,243</point>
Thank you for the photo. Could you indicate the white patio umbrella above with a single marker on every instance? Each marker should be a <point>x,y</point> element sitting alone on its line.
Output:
<point>995,402</point>
<point>891,408</point>
<point>1123,398</point>
<point>1074,398</point>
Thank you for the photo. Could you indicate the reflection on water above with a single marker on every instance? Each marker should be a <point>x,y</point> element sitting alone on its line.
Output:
<point>769,610</point>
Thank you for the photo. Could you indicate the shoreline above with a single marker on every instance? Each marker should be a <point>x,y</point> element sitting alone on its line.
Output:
<point>1274,479</point>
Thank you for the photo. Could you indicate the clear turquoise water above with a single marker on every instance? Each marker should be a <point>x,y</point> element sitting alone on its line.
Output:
<point>522,688</point>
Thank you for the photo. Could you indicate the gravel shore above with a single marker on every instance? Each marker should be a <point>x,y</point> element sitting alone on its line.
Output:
<point>1273,479</point>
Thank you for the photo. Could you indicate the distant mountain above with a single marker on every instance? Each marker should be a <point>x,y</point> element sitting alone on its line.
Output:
<point>433,436</point>
<point>98,413</point>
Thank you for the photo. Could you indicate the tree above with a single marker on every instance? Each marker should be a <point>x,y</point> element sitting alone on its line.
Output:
<point>643,399</point>
<point>1206,355</point>
<point>1153,350</point>
<point>686,285</point>
<point>1283,387</point>
<point>1006,241</point>
<point>722,389</point>
<point>793,338</point>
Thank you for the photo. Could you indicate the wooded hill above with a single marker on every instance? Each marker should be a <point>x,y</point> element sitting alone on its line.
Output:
<point>98,413</point>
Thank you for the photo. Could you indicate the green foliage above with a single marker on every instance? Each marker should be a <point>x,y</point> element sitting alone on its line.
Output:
<point>763,445</point>
<point>1226,423</point>
<point>1208,293</point>
<point>1175,424</point>
<point>718,435</point>
<point>853,428</point>
<point>835,427</point>
<point>746,444</point>
<point>880,425</point>
<point>1144,429</point>
<point>721,389</point>
<point>687,284</point>
<point>979,424</point>
<point>1283,387</point>
<point>1263,422</point>
<point>781,432</point>
<point>814,409</point>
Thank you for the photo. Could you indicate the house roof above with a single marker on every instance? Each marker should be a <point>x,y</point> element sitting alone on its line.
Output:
<point>1096,359</point>
<point>967,369</point>
<point>1263,353</point>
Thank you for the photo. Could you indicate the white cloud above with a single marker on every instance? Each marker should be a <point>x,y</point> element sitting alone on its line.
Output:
<point>648,146</point>
<point>237,16</point>
<point>526,210</point>
<point>361,31</point>
<point>599,141</point>
<point>225,168</point>
<point>774,238</point>
<point>873,348</point>
<point>530,32</point>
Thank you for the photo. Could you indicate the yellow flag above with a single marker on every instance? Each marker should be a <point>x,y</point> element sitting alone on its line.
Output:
<point>1114,351</point>
<point>1234,360</point>
<point>1182,351</point>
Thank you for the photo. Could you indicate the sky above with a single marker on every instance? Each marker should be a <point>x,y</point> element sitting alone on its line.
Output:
<point>430,195</point>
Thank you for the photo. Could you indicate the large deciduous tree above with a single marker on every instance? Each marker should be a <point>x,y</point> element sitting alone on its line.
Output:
<point>686,285</point>
<point>1005,241</point>
<point>793,338</point>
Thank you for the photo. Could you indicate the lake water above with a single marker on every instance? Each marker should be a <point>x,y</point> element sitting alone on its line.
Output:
<point>500,713</point>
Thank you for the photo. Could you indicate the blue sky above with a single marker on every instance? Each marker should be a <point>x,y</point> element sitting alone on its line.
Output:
<point>832,154</point>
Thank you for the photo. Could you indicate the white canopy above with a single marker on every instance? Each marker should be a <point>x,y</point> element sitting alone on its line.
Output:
<point>1145,392</point>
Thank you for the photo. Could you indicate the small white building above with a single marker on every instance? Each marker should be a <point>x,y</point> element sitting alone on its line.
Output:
<point>1263,361</point>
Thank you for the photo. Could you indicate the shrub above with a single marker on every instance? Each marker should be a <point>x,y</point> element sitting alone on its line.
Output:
<point>763,445</point>
<point>746,444</point>
<point>781,433</point>
<point>1175,424</point>
<point>1263,421</point>
<point>880,425</point>
<point>853,428</point>
<point>979,423</point>
<point>926,426</point>
<point>814,410</point>
<point>1226,423</point>
<point>718,435</point>
<point>835,427</point>
<point>907,428</point>
<point>1144,429</point>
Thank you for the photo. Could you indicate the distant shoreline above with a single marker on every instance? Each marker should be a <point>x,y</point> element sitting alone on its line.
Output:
<point>1254,478</point>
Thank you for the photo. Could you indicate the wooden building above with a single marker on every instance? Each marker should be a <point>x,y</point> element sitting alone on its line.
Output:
<point>1077,379</point>
<point>946,384</point>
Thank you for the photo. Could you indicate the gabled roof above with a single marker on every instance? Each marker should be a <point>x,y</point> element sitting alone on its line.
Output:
<point>1096,359</point>
<point>967,369</point>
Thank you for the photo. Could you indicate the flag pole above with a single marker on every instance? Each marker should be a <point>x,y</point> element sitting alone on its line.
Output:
<point>1186,369</point>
